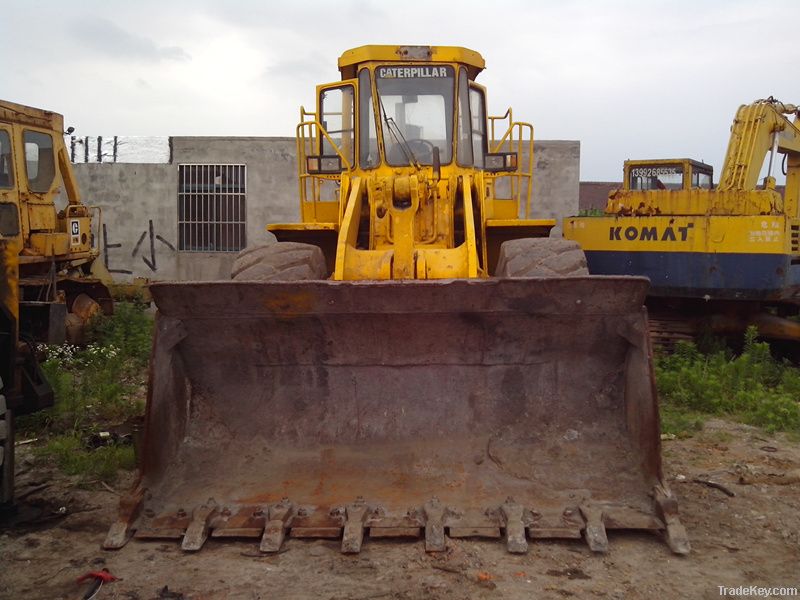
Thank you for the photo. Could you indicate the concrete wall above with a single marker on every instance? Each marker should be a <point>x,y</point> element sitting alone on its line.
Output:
<point>139,201</point>
<point>556,179</point>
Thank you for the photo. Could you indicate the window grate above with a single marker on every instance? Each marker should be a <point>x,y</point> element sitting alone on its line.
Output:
<point>212,208</point>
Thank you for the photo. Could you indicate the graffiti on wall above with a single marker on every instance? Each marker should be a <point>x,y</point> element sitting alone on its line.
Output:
<point>145,248</point>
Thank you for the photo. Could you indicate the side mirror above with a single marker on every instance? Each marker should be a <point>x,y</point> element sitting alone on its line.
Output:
<point>500,161</point>
<point>324,165</point>
<point>69,130</point>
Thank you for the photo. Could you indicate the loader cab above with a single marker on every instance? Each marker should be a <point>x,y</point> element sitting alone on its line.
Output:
<point>672,174</point>
<point>404,142</point>
<point>399,107</point>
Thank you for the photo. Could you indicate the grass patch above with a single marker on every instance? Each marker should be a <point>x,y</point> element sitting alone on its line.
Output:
<point>73,458</point>
<point>130,330</point>
<point>680,423</point>
<point>591,212</point>
<point>95,386</point>
<point>753,387</point>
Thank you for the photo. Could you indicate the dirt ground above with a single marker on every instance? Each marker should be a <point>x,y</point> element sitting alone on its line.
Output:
<point>751,537</point>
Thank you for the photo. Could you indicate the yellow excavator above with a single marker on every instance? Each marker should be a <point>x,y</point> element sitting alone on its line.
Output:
<point>51,281</point>
<point>719,257</point>
<point>415,359</point>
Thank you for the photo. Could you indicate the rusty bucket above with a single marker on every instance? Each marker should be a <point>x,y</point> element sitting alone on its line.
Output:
<point>517,409</point>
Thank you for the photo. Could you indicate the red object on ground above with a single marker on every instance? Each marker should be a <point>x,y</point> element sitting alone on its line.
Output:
<point>103,576</point>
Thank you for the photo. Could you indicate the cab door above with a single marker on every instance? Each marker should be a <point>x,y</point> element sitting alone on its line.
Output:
<point>9,188</point>
<point>36,159</point>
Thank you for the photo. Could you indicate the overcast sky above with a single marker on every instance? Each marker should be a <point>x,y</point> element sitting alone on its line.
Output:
<point>628,79</point>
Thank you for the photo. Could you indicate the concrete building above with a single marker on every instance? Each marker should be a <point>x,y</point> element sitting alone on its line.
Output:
<point>187,218</point>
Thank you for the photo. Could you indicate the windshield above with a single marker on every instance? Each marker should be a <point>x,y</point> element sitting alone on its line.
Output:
<point>656,177</point>
<point>416,112</point>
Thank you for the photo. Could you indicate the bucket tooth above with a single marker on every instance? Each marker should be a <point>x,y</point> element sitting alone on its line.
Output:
<point>434,526</point>
<point>120,531</point>
<point>275,530</point>
<point>676,537</point>
<point>595,530</point>
<point>198,530</point>
<point>353,535</point>
<point>515,527</point>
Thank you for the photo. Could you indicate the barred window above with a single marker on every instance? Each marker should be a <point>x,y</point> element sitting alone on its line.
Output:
<point>211,208</point>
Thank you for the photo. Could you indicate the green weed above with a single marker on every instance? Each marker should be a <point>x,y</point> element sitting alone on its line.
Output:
<point>95,386</point>
<point>753,387</point>
<point>591,212</point>
<point>74,459</point>
<point>130,330</point>
<point>680,423</point>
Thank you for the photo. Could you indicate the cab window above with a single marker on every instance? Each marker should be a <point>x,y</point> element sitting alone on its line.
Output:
<point>39,160</point>
<point>464,149</point>
<point>6,166</point>
<point>416,112</point>
<point>655,177</point>
<point>701,180</point>
<point>336,114</point>
<point>367,132</point>
<point>478,114</point>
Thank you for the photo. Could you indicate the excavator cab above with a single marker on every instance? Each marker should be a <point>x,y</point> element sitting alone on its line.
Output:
<point>667,174</point>
<point>414,358</point>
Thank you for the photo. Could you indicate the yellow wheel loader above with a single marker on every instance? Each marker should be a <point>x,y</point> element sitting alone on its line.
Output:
<point>51,280</point>
<point>415,359</point>
<point>719,258</point>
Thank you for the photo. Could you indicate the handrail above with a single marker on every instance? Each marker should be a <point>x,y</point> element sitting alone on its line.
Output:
<point>508,115</point>
<point>307,135</point>
<point>515,144</point>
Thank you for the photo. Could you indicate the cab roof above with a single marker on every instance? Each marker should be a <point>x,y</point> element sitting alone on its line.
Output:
<point>698,165</point>
<point>10,112</point>
<point>351,59</point>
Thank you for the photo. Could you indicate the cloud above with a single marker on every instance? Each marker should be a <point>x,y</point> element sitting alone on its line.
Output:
<point>313,68</point>
<point>111,40</point>
<point>627,78</point>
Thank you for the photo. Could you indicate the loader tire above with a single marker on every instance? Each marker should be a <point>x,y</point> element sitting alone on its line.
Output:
<point>280,261</point>
<point>541,257</point>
